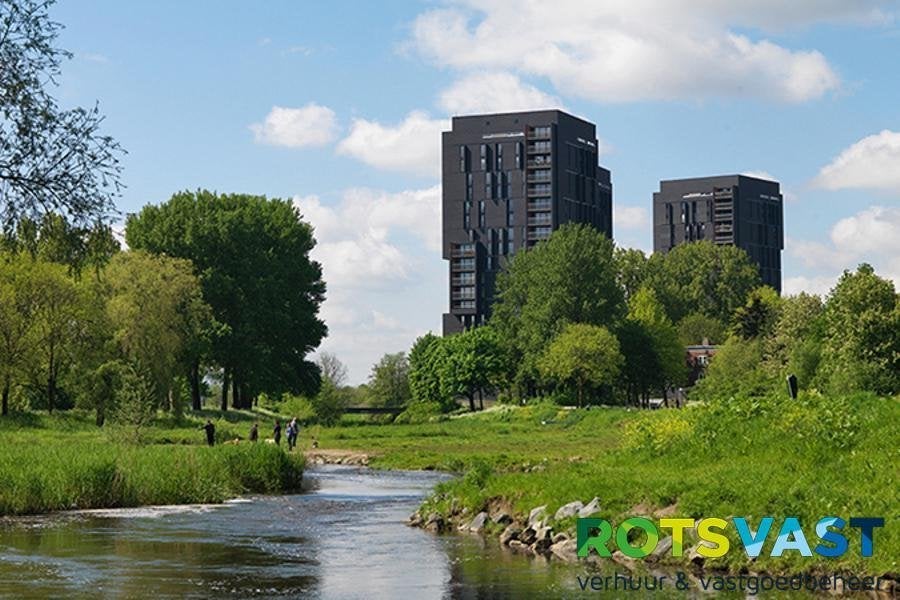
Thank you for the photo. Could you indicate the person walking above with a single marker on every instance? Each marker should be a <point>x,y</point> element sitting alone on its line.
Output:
<point>293,432</point>
<point>276,433</point>
<point>254,432</point>
<point>210,432</point>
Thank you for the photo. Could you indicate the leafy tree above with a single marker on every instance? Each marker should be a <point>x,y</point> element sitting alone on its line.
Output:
<point>641,371</point>
<point>329,403</point>
<point>695,328</point>
<point>569,278</point>
<point>426,359</point>
<point>389,381</point>
<point>472,362</point>
<point>135,401</point>
<point>631,269</point>
<point>757,318</point>
<point>582,355</point>
<point>50,159</point>
<point>252,255</point>
<point>157,311</point>
<point>861,349</point>
<point>104,388</point>
<point>704,278</point>
<point>19,304</point>
<point>644,308</point>
<point>795,343</point>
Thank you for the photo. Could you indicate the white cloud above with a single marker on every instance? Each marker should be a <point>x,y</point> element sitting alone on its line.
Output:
<point>354,238</point>
<point>412,146</point>
<point>872,236</point>
<point>625,50</point>
<point>310,125</point>
<point>811,285</point>
<point>873,162</point>
<point>494,91</point>
<point>630,217</point>
<point>380,256</point>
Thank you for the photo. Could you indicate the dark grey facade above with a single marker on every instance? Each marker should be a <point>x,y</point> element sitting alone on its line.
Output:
<point>730,209</point>
<point>508,181</point>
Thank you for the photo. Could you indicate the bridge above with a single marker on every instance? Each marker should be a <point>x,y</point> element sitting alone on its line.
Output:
<point>373,410</point>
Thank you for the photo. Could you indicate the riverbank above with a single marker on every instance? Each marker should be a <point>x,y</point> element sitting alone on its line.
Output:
<point>64,462</point>
<point>809,458</point>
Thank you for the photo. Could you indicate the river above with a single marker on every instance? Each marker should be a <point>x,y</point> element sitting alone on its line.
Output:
<point>344,537</point>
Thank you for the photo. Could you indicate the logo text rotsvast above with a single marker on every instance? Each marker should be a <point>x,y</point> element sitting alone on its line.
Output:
<point>596,534</point>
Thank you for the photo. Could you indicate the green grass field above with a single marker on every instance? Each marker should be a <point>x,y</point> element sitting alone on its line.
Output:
<point>809,458</point>
<point>64,461</point>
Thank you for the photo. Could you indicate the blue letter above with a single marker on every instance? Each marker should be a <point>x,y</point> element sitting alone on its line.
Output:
<point>753,543</point>
<point>791,528</point>
<point>866,525</point>
<point>832,537</point>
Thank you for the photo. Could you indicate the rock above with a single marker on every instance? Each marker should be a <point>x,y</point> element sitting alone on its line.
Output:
<point>477,524</point>
<point>435,523</point>
<point>537,514</point>
<point>661,551</point>
<point>502,518</point>
<point>669,511</point>
<point>695,557</point>
<point>560,537</point>
<point>543,540</point>
<point>510,534</point>
<point>415,520</point>
<point>566,550</point>
<point>529,536</point>
<point>591,508</point>
<point>626,561</point>
<point>519,547</point>
<point>568,510</point>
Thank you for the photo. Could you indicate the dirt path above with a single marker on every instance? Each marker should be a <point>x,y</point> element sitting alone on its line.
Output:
<point>333,456</point>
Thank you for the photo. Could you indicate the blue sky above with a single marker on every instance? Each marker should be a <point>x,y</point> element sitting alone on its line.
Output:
<point>339,105</point>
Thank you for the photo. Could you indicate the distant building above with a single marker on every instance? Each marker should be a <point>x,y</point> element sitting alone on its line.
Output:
<point>508,181</point>
<point>736,210</point>
<point>697,357</point>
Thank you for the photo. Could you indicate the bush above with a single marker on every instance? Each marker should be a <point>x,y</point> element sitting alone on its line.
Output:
<point>420,412</point>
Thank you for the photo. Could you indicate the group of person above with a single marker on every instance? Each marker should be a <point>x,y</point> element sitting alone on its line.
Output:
<point>293,432</point>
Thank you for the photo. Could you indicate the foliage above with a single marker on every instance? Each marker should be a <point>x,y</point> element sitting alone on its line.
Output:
<point>645,309</point>
<point>704,278</point>
<point>389,381</point>
<point>332,368</point>
<point>252,256</point>
<point>569,278</point>
<point>329,403</point>
<point>581,356</point>
<point>50,159</point>
<point>641,370</point>
<point>757,318</point>
<point>420,412</point>
<point>696,327</point>
<point>631,269</point>
<point>861,347</point>
<point>734,371</point>
<point>472,362</point>
<point>426,359</point>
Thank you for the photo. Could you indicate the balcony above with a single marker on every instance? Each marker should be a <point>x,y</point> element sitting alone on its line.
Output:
<point>539,162</point>
<point>539,148</point>
<point>540,176</point>
<point>539,233</point>
<point>468,279</point>
<point>541,219</point>
<point>540,190</point>
<point>538,133</point>
<point>466,264</point>
<point>540,205</point>
<point>463,250</point>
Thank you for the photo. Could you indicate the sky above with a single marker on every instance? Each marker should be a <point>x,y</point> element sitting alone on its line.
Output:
<point>339,106</point>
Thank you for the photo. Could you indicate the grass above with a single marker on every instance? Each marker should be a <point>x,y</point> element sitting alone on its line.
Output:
<point>63,461</point>
<point>809,458</point>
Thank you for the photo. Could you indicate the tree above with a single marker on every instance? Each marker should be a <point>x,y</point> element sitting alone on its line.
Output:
<point>569,278</point>
<point>704,278</point>
<point>18,307</point>
<point>641,371</point>
<point>329,403</point>
<point>580,356</point>
<point>696,327</point>
<point>252,255</point>
<point>157,311</point>
<point>426,358</point>
<point>472,362</point>
<point>757,318</point>
<point>50,159</point>
<point>645,308</point>
<point>631,269</point>
<point>332,369</point>
<point>389,381</point>
<point>861,346</point>
<point>795,344</point>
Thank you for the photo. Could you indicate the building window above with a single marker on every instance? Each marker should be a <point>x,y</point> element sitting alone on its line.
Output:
<point>485,157</point>
<point>463,159</point>
<point>507,191</point>
<point>499,152</point>
<point>467,214</point>
<point>469,186</point>
<point>519,155</point>
<point>510,240</point>
<point>510,213</point>
<point>481,213</point>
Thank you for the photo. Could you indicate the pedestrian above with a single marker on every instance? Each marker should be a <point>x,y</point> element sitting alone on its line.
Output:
<point>254,432</point>
<point>293,432</point>
<point>210,432</point>
<point>276,433</point>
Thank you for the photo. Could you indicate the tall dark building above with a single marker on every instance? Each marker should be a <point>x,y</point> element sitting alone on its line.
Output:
<point>730,209</point>
<point>508,181</point>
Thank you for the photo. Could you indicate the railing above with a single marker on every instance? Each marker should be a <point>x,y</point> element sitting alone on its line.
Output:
<point>539,206</point>
<point>548,220</point>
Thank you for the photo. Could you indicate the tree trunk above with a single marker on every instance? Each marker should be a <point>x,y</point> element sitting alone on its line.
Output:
<point>471,401</point>
<point>481,399</point>
<point>235,392</point>
<point>194,378</point>
<point>5,407</point>
<point>226,381</point>
<point>51,393</point>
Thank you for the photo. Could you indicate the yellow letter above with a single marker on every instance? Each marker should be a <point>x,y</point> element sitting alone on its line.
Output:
<point>678,526</point>
<point>721,542</point>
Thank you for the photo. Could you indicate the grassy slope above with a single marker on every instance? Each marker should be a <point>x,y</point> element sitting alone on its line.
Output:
<point>63,461</point>
<point>810,459</point>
